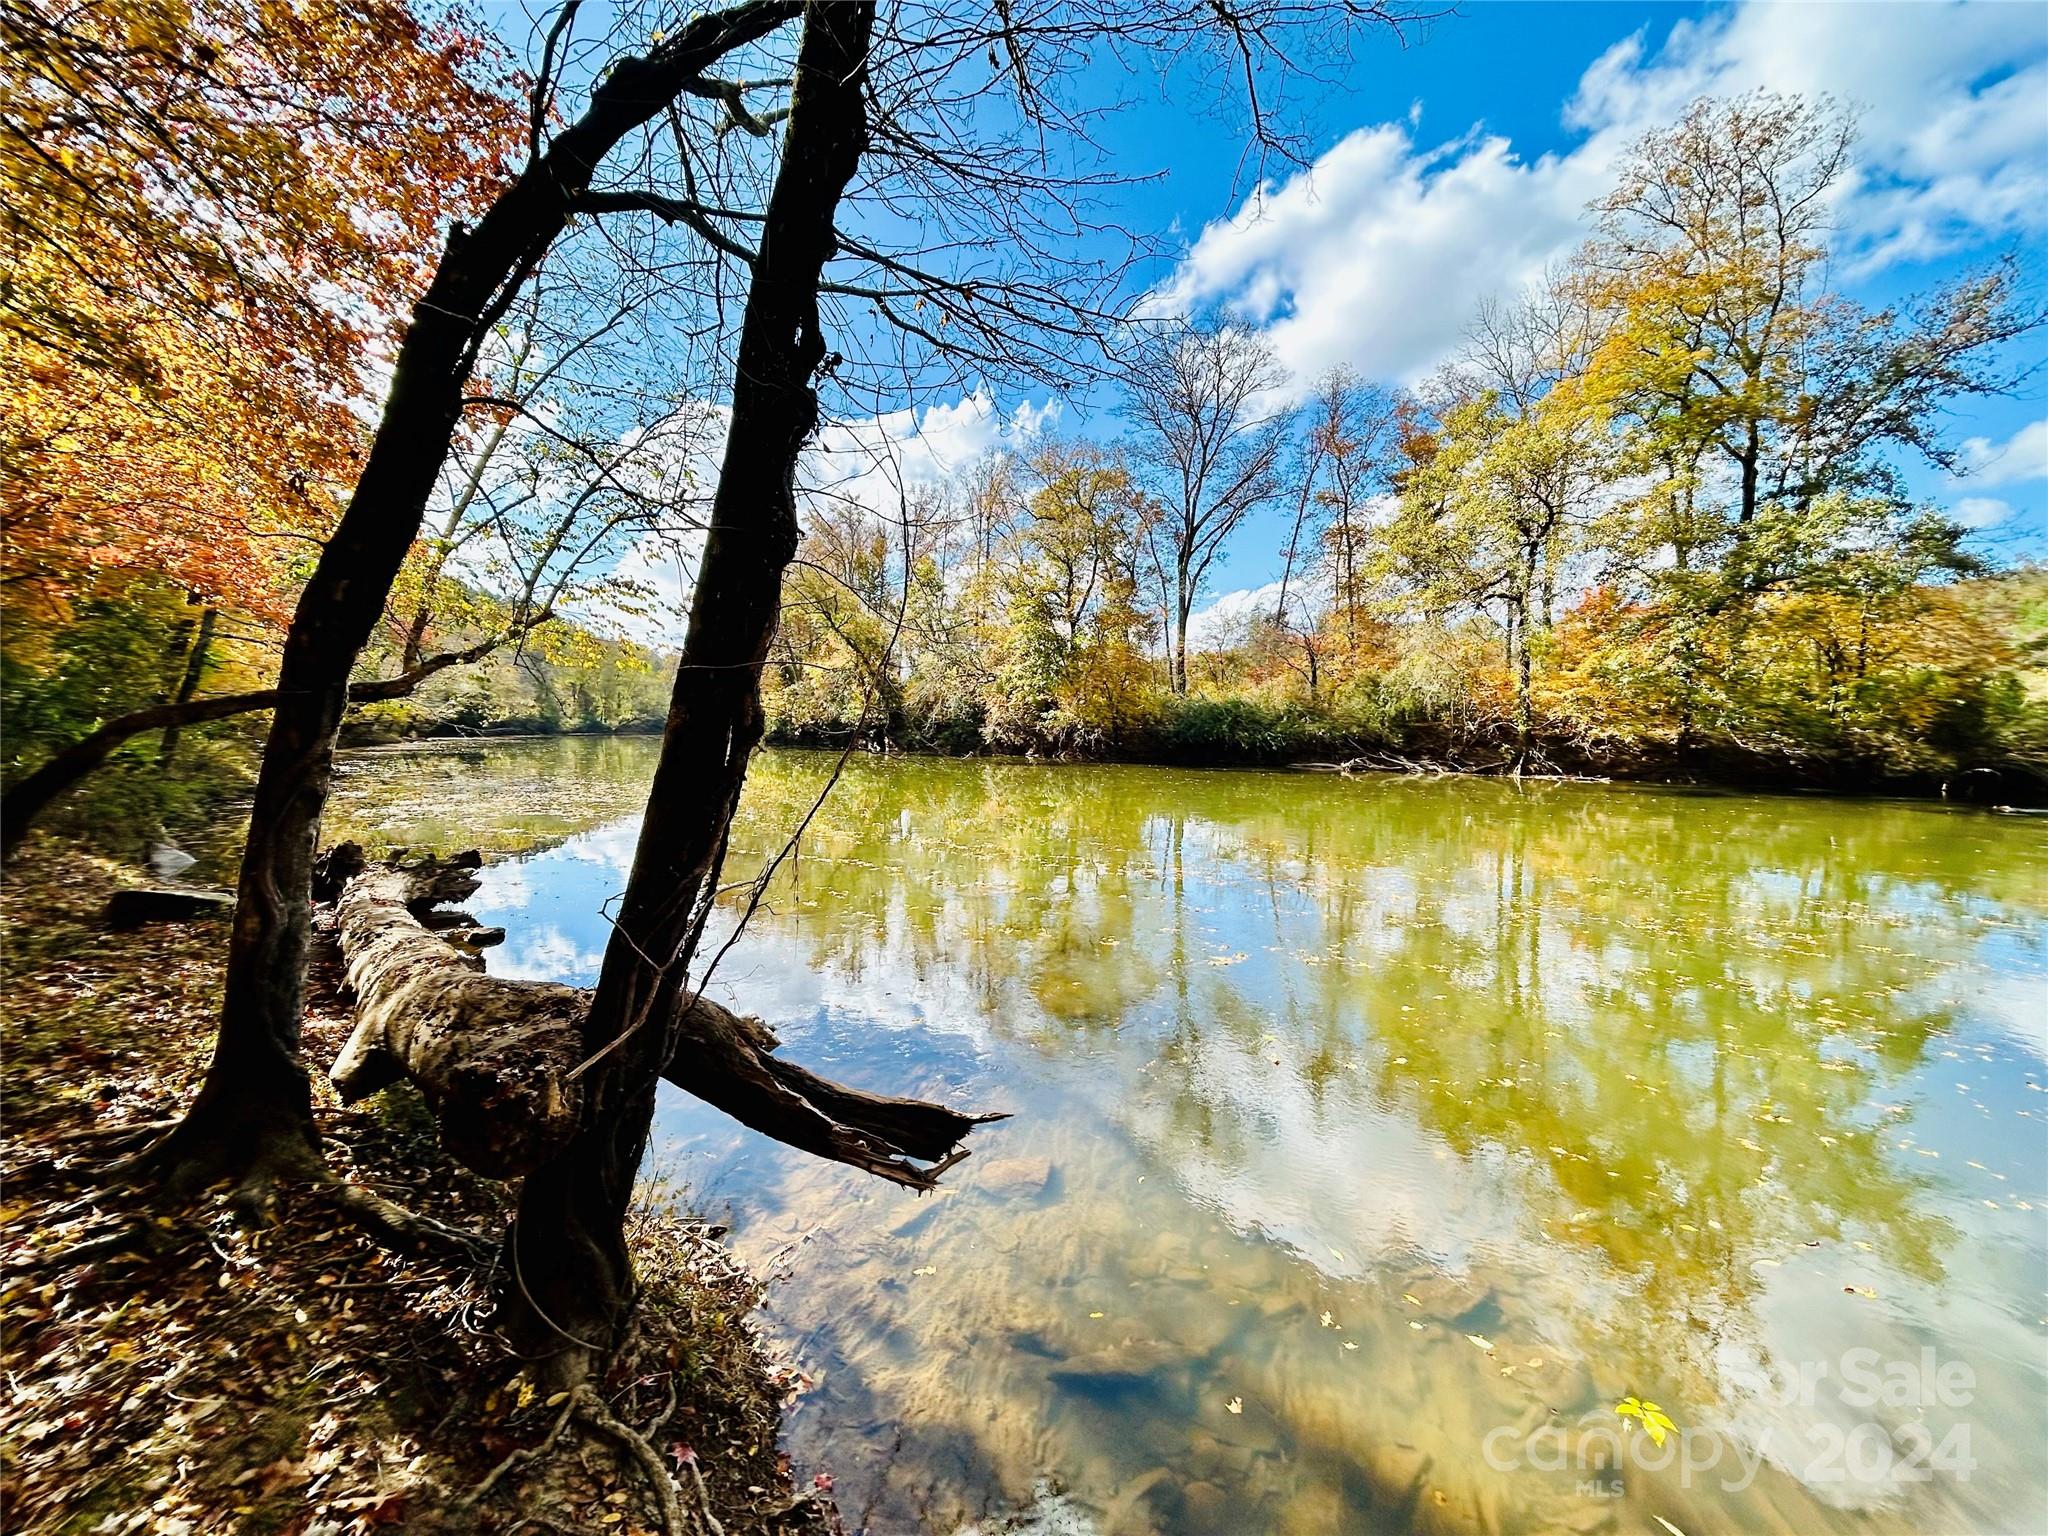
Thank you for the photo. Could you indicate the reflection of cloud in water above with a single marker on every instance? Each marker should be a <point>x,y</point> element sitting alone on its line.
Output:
<point>547,954</point>
<point>1597,1075</point>
<point>1337,1180</point>
<point>609,847</point>
<point>505,886</point>
<point>2016,1007</point>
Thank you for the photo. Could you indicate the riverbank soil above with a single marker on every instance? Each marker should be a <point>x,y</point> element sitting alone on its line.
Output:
<point>201,1374</point>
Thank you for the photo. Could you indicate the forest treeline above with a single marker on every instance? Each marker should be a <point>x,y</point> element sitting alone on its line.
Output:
<point>1650,519</point>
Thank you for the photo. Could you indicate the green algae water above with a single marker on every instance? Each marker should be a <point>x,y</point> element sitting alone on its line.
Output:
<point>1375,1139</point>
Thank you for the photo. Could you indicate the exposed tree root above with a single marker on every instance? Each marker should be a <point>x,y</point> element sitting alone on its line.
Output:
<point>137,1239</point>
<point>111,1137</point>
<point>522,1456</point>
<point>193,1158</point>
<point>393,1226</point>
<point>591,1409</point>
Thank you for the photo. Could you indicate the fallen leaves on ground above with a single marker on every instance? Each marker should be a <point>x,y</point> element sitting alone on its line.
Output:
<point>294,1378</point>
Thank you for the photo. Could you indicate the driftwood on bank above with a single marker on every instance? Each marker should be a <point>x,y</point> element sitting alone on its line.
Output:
<point>496,1058</point>
<point>133,906</point>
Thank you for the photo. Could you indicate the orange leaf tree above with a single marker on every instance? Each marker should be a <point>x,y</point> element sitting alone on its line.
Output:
<point>213,212</point>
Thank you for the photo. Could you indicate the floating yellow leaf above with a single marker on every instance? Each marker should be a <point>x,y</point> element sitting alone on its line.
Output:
<point>1655,1421</point>
<point>1235,1405</point>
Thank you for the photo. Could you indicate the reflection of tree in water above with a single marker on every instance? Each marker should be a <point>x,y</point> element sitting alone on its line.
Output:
<point>1573,1065</point>
<point>1678,1019</point>
<point>514,797</point>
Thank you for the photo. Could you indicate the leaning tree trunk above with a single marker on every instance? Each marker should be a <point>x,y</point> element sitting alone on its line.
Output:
<point>572,1280</point>
<point>26,801</point>
<point>496,1057</point>
<point>253,1115</point>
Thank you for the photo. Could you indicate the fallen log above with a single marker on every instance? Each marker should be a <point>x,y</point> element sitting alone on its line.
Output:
<point>133,906</point>
<point>496,1057</point>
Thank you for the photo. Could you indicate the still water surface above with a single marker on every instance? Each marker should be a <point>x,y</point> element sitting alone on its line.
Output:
<point>1374,1138</point>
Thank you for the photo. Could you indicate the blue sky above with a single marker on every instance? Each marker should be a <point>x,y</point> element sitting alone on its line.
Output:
<point>1457,164</point>
<point>1454,164</point>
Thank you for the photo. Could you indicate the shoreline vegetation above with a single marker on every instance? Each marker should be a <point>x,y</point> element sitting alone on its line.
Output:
<point>199,1374</point>
<point>1951,701</point>
<point>2015,781</point>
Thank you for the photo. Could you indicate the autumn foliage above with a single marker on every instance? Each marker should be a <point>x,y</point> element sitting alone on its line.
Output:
<point>214,214</point>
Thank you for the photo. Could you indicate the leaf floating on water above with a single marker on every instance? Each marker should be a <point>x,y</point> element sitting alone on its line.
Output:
<point>1235,1405</point>
<point>1350,1344</point>
<point>1095,1314</point>
<point>1674,1530</point>
<point>1410,1299</point>
<point>927,1270</point>
<point>1655,1421</point>
<point>1481,1341</point>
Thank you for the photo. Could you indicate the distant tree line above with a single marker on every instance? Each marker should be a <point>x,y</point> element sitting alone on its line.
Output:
<point>1650,515</point>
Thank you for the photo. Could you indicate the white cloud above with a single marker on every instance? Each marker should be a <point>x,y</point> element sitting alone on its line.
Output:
<point>2021,457</point>
<point>866,462</point>
<point>1378,255</point>
<point>1224,621</point>
<point>1981,512</point>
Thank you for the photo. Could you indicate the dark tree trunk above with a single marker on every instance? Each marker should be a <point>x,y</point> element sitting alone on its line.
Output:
<point>496,1057</point>
<point>1525,712</point>
<point>1183,604</point>
<point>571,1278</point>
<point>188,684</point>
<point>254,1112</point>
<point>416,635</point>
<point>1752,453</point>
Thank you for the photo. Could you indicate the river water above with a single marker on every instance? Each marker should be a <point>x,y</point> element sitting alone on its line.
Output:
<point>1374,1139</point>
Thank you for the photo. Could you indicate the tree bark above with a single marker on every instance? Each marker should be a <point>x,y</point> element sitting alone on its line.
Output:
<point>496,1058</point>
<point>255,1109</point>
<point>1183,605</point>
<point>572,1281</point>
